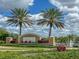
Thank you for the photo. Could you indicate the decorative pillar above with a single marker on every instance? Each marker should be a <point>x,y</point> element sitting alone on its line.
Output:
<point>9,39</point>
<point>54,41</point>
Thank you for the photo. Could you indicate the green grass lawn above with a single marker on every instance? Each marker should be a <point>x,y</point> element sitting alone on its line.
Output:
<point>37,51</point>
<point>73,54</point>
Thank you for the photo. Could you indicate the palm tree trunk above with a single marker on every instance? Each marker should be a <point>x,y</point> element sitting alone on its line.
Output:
<point>20,30</point>
<point>50,29</point>
<point>19,37</point>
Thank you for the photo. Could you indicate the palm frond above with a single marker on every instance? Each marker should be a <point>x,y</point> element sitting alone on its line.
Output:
<point>42,22</point>
<point>52,17</point>
<point>19,17</point>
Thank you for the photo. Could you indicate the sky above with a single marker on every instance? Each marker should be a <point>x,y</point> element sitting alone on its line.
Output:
<point>40,5</point>
<point>71,20</point>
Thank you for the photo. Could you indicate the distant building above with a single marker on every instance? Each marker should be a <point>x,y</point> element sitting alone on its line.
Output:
<point>30,38</point>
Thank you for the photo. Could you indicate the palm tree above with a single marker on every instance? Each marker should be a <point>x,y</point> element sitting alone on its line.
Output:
<point>19,17</point>
<point>52,18</point>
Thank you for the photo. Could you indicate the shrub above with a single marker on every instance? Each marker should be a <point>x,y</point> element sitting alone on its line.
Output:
<point>28,45</point>
<point>12,41</point>
<point>2,42</point>
<point>29,41</point>
<point>43,41</point>
<point>61,48</point>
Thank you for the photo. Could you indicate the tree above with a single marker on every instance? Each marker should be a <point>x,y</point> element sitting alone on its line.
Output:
<point>14,35</point>
<point>19,17</point>
<point>52,18</point>
<point>3,34</point>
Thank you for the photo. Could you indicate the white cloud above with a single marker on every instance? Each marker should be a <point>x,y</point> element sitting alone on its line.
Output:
<point>69,3</point>
<point>2,18</point>
<point>36,16</point>
<point>5,5</point>
<point>15,3</point>
<point>75,9</point>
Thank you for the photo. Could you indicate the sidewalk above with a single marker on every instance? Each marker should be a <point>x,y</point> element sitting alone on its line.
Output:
<point>7,48</point>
